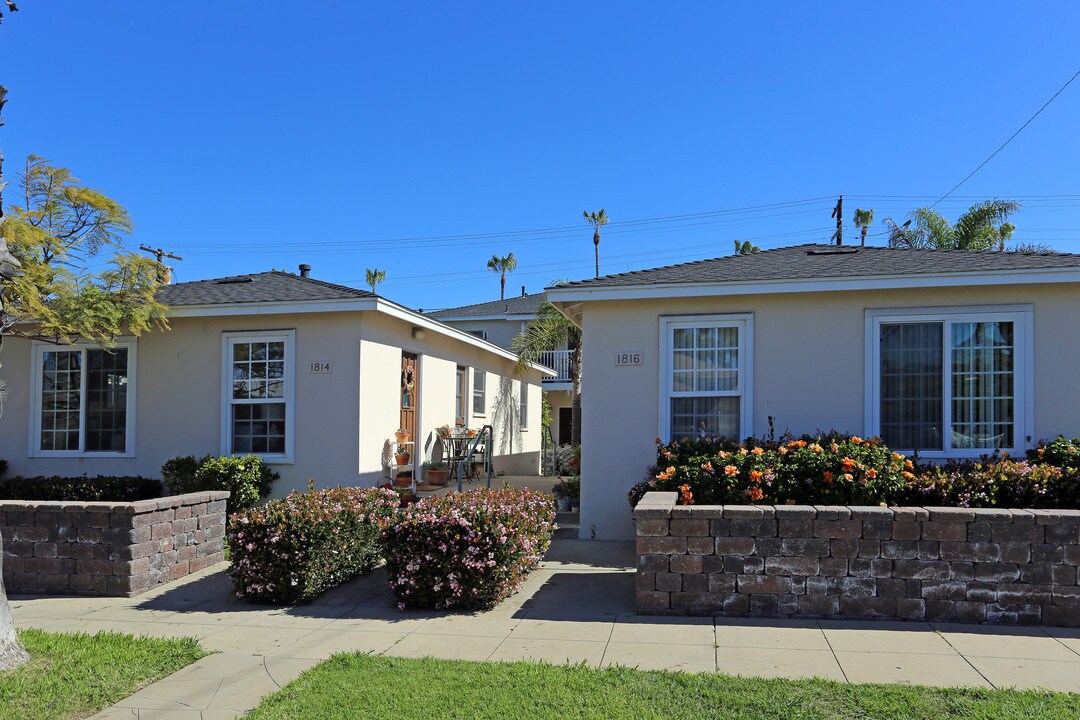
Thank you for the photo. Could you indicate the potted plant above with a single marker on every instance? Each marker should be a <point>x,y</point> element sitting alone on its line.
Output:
<point>402,435</point>
<point>567,493</point>
<point>407,495</point>
<point>402,455</point>
<point>470,433</point>
<point>437,473</point>
<point>444,432</point>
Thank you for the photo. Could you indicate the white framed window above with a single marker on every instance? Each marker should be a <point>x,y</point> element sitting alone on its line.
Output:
<point>83,400</point>
<point>258,383</point>
<point>706,376</point>
<point>479,394</point>
<point>523,405</point>
<point>950,382</point>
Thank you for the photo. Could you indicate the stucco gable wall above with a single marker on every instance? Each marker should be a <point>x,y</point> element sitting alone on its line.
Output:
<point>808,373</point>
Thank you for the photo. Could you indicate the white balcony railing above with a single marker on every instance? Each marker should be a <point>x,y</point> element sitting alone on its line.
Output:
<point>559,361</point>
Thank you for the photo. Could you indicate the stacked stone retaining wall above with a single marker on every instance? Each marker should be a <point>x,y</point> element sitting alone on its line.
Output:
<point>104,548</point>
<point>912,563</point>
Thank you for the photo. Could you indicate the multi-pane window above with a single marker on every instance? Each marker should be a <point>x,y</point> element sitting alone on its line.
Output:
<point>479,400</point>
<point>950,384</point>
<point>259,394</point>
<point>459,397</point>
<point>82,400</point>
<point>523,406</point>
<point>705,385</point>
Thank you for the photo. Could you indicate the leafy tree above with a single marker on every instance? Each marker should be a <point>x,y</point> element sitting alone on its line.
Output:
<point>502,265</point>
<point>982,227</point>
<point>597,220</point>
<point>863,220</point>
<point>374,277</point>
<point>745,247</point>
<point>12,653</point>
<point>551,330</point>
<point>61,224</point>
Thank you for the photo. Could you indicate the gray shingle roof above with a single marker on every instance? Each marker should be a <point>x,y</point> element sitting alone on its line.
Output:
<point>830,261</point>
<point>273,286</point>
<point>523,305</point>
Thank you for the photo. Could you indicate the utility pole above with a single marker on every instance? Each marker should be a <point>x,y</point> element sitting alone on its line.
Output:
<point>838,213</point>
<point>160,254</point>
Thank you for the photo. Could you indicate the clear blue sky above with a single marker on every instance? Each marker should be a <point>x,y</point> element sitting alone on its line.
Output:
<point>253,135</point>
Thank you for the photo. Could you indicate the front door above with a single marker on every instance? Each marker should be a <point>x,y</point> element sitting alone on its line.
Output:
<point>410,392</point>
<point>566,425</point>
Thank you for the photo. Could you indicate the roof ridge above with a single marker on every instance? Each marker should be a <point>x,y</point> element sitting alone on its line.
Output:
<point>335,286</point>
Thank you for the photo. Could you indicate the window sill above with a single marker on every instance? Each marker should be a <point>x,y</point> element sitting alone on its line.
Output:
<point>45,454</point>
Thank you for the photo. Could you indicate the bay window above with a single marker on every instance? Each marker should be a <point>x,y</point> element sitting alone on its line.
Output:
<point>950,382</point>
<point>706,371</point>
<point>83,400</point>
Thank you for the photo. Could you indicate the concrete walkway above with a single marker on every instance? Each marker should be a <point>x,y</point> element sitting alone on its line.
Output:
<point>578,607</point>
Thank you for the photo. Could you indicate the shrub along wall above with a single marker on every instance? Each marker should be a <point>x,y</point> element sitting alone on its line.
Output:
<point>948,564</point>
<point>104,548</point>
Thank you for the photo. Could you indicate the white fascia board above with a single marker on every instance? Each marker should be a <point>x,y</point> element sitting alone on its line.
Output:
<point>561,296</point>
<point>423,321</point>
<point>484,318</point>
<point>271,308</point>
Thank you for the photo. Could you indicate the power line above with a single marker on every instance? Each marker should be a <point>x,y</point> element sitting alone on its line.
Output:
<point>1052,98</point>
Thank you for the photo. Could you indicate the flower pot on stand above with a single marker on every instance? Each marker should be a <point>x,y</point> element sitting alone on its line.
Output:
<point>402,458</point>
<point>402,436</point>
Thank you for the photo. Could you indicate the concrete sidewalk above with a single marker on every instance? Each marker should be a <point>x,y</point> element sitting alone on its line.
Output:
<point>578,607</point>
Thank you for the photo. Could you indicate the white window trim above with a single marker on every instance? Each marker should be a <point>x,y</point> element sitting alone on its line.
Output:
<point>1023,371</point>
<point>523,416</point>
<point>744,323</point>
<point>227,340</point>
<point>472,391</point>
<point>38,348</point>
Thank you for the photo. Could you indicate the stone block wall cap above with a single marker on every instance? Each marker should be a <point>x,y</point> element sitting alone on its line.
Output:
<point>833,512</point>
<point>953,514</point>
<point>749,512</point>
<point>871,512</point>
<point>992,514</point>
<point>795,512</point>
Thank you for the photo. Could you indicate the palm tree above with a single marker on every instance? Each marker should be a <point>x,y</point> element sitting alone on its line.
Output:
<point>374,277</point>
<point>502,265</point>
<point>863,220</point>
<point>551,330</point>
<point>982,227</point>
<point>597,220</point>
<point>745,247</point>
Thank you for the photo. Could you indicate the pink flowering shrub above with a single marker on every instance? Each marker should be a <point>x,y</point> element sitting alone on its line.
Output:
<point>288,551</point>
<point>467,551</point>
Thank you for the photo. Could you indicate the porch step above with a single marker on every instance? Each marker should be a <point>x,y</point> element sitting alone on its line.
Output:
<point>568,523</point>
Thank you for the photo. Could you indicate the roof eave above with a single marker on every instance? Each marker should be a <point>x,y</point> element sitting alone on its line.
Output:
<point>565,296</point>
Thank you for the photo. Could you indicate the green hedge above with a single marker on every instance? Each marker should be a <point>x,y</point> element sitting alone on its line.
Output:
<point>289,551</point>
<point>103,488</point>
<point>836,469</point>
<point>247,478</point>
<point>467,550</point>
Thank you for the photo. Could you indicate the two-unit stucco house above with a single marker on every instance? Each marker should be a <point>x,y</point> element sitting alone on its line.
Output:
<point>314,377</point>
<point>500,321</point>
<point>954,354</point>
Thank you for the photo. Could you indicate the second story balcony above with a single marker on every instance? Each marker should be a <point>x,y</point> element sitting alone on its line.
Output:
<point>559,361</point>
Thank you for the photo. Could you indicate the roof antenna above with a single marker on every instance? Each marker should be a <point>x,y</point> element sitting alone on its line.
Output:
<point>164,273</point>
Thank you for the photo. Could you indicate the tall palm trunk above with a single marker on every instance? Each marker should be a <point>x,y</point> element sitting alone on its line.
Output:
<point>502,286</point>
<point>596,250</point>
<point>862,236</point>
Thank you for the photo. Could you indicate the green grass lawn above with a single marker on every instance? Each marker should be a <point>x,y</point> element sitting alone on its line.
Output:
<point>372,687</point>
<point>75,675</point>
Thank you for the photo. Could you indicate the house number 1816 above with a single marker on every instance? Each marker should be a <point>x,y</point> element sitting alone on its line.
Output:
<point>627,358</point>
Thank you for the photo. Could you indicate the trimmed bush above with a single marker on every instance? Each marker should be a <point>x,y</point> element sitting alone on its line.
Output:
<point>835,469</point>
<point>247,478</point>
<point>467,551</point>
<point>291,550</point>
<point>103,488</point>
<point>829,469</point>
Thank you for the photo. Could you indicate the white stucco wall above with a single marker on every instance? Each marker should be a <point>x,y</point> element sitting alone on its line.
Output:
<point>342,419</point>
<point>808,373</point>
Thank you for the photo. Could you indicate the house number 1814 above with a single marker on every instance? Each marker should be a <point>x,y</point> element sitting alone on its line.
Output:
<point>319,367</point>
